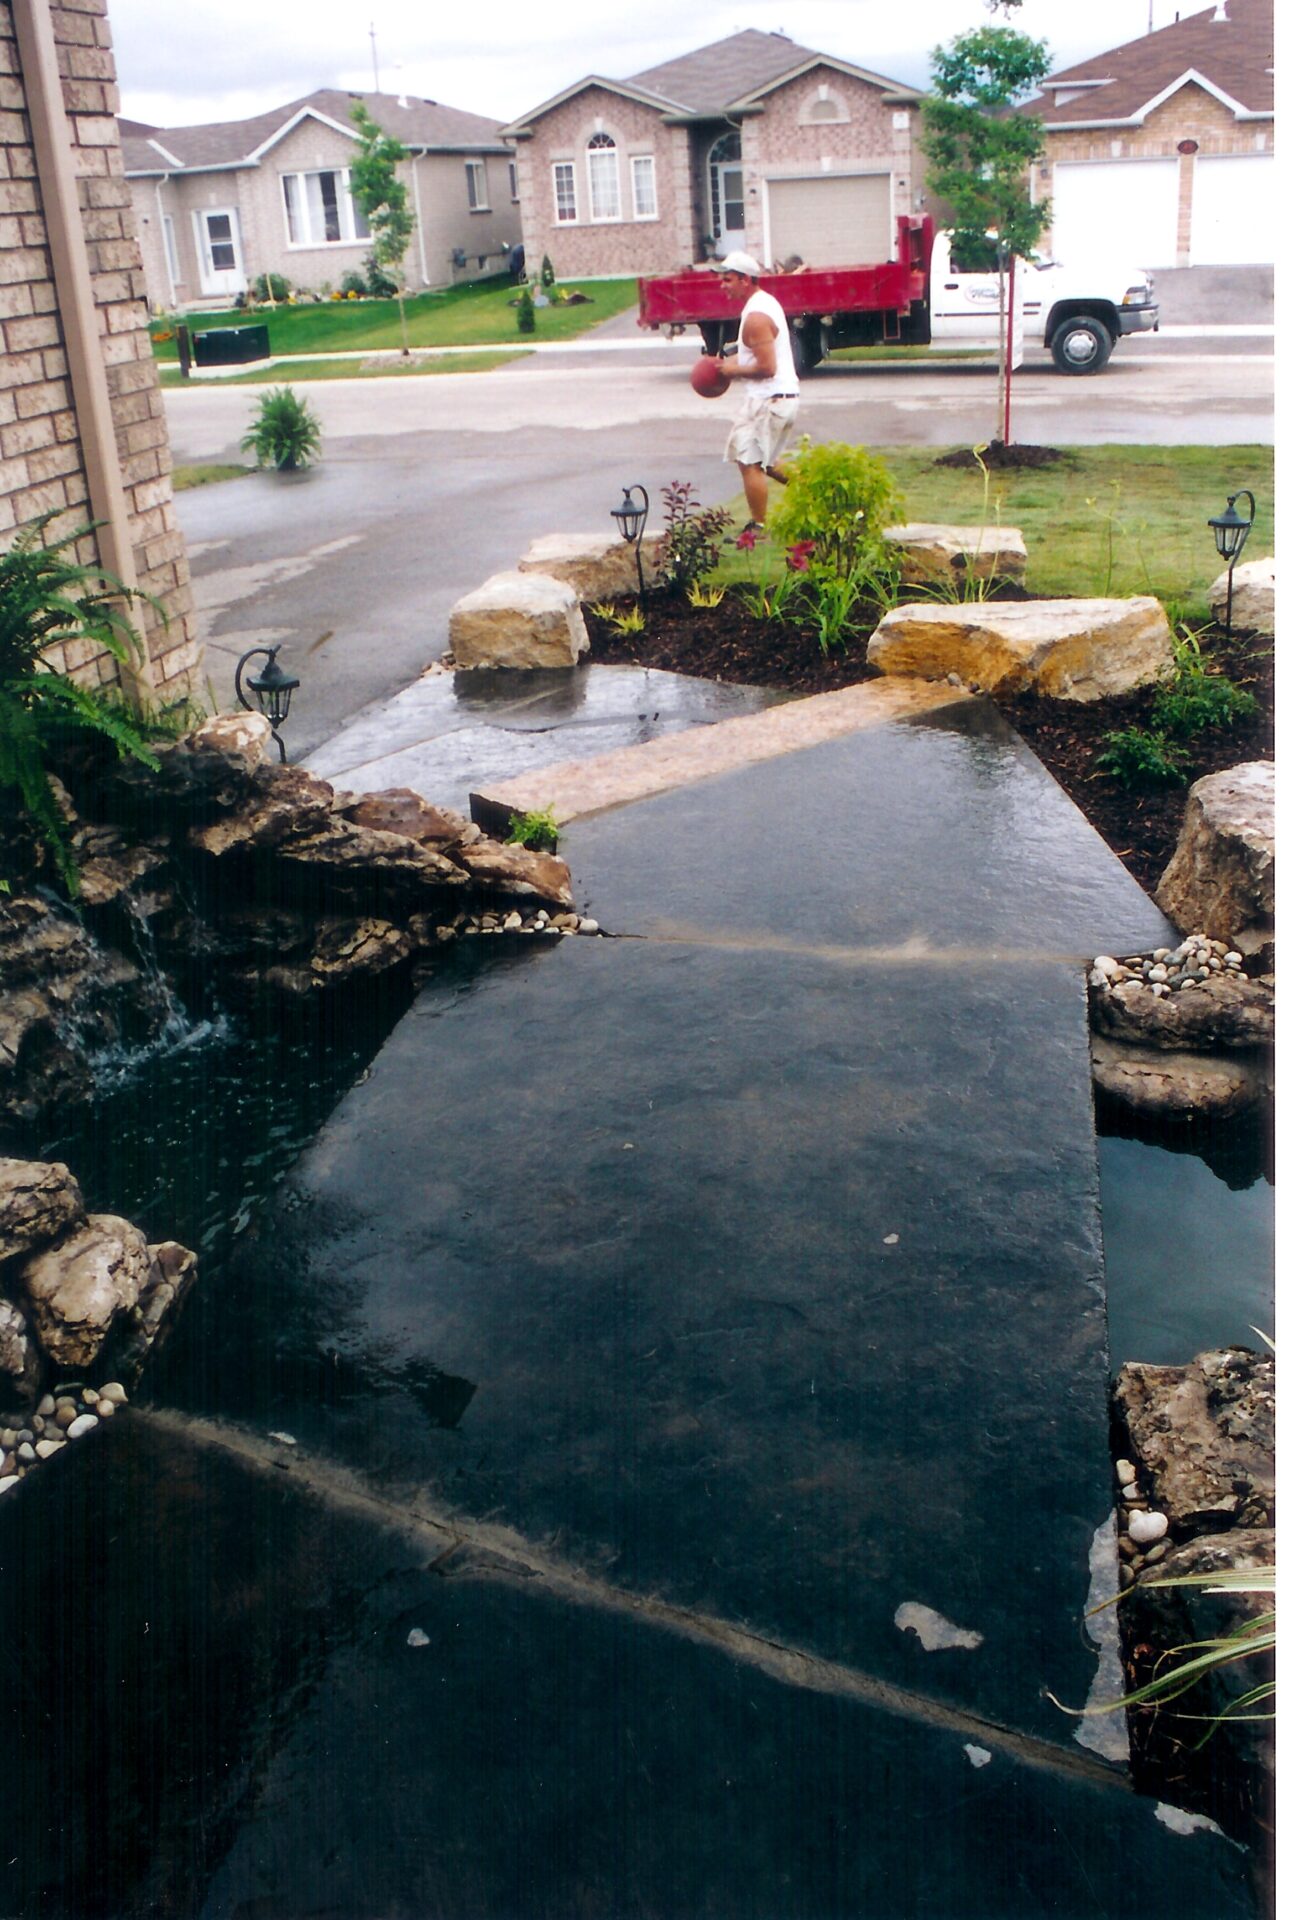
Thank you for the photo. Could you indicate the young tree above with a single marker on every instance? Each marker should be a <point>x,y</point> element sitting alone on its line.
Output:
<point>979,148</point>
<point>382,199</point>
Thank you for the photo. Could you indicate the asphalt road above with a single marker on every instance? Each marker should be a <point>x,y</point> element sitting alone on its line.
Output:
<point>428,486</point>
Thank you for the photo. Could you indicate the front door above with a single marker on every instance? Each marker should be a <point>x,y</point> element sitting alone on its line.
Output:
<point>217,239</point>
<point>725,188</point>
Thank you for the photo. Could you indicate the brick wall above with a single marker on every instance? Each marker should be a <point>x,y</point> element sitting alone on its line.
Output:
<point>41,460</point>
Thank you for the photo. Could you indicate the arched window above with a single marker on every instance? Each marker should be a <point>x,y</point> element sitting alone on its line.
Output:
<point>604,178</point>
<point>823,108</point>
<point>725,186</point>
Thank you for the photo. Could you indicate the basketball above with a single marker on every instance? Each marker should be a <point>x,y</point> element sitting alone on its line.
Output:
<point>707,379</point>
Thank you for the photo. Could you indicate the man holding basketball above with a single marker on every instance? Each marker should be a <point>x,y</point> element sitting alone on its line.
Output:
<point>767,420</point>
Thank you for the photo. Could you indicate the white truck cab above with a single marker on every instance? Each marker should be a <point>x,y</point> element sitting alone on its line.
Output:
<point>1080,312</point>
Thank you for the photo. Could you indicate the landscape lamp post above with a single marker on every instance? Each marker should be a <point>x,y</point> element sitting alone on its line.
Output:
<point>632,519</point>
<point>271,688</point>
<point>1231,533</point>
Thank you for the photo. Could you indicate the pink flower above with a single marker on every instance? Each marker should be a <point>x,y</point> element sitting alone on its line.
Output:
<point>748,537</point>
<point>799,555</point>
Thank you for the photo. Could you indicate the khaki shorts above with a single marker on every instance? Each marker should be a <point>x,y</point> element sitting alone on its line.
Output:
<point>763,430</point>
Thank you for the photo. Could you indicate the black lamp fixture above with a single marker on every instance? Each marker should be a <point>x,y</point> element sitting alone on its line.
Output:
<point>272,688</point>
<point>1231,533</point>
<point>632,519</point>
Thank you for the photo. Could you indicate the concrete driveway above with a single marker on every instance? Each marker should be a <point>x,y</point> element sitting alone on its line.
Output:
<point>427,486</point>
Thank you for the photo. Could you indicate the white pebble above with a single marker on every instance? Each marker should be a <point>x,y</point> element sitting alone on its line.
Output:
<point>891,1239</point>
<point>9,1480</point>
<point>588,926</point>
<point>1147,1527</point>
<point>1126,1471</point>
<point>286,1439</point>
<point>418,1639</point>
<point>82,1424</point>
<point>1232,959</point>
<point>45,1406</point>
<point>115,1391</point>
<point>44,1448</point>
<point>105,1409</point>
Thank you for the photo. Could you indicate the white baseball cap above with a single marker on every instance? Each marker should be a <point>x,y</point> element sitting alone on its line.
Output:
<point>740,263</point>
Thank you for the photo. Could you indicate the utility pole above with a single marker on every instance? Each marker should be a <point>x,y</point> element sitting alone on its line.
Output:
<point>376,71</point>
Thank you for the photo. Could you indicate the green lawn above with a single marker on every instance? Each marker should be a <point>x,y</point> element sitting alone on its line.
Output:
<point>466,316</point>
<point>287,370</point>
<point>1104,520</point>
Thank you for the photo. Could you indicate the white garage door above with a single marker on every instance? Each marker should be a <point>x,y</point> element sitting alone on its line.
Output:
<point>1232,210</point>
<point>1127,209</point>
<point>835,220</point>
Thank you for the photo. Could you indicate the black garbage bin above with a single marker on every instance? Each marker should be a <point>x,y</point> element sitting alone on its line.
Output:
<point>230,346</point>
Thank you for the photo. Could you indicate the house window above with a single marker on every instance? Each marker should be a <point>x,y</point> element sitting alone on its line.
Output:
<point>477,187</point>
<point>320,210</point>
<point>604,179</point>
<point>643,186</point>
<point>512,181</point>
<point>564,190</point>
<point>823,108</point>
<point>170,248</point>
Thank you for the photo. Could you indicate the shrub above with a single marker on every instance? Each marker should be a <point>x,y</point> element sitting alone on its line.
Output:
<point>690,547</point>
<point>840,498</point>
<point>1196,698</point>
<point>269,286</point>
<point>537,830</point>
<point>379,284</point>
<point>48,600</point>
<point>1140,757</point>
<point>286,432</point>
<point>526,312</point>
<point>546,274</point>
<point>353,286</point>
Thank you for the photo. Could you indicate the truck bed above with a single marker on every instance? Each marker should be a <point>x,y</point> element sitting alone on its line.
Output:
<point>683,299</point>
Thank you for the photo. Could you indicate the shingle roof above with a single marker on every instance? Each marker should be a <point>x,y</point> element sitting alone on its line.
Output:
<point>231,143</point>
<point>1234,53</point>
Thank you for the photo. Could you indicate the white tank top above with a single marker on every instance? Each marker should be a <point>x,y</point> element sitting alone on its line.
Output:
<point>784,379</point>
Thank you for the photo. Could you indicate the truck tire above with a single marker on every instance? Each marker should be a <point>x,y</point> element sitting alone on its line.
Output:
<point>1081,344</point>
<point>807,348</point>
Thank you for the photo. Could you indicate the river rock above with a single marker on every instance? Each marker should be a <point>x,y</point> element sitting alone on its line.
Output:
<point>933,555</point>
<point>1203,1436</point>
<point>518,620</point>
<point>1066,649</point>
<point>1252,599</point>
<point>596,566</point>
<point>39,1201</point>
<point>1177,1084</point>
<point>75,1290</point>
<point>1221,877</point>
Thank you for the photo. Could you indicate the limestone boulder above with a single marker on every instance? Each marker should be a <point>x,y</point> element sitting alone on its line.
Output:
<point>1202,1437</point>
<point>1252,600</point>
<point>1177,1085</point>
<point>1221,877</point>
<point>597,566</point>
<point>371,856</point>
<point>400,810</point>
<point>21,1365</point>
<point>39,1201</point>
<point>935,555</point>
<point>1224,1011</point>
<point>74,1291</point>
<point>283,804</point>
<point>1065,649</point>
<point>518,620</point>
<point>169,1276</point>
<point>518,871</point>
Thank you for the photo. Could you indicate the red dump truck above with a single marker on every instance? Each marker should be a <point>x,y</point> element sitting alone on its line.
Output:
<point>923,297</point>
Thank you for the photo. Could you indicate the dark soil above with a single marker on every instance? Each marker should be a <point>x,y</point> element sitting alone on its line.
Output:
<point>728,643</point>
<point>998,454</point>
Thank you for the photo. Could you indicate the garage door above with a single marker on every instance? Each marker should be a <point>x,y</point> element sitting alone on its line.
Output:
<point>1232,210</point>
<point>1127,209</point>
<point>834,220</point>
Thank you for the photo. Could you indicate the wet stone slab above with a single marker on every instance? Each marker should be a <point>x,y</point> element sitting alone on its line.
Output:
<point>449,732</point>
<point>763,1281</point>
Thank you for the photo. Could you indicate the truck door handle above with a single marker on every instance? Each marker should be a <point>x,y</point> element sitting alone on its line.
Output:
<point>950,286</point>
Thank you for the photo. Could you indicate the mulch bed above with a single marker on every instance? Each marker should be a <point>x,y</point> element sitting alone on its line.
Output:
<point>727,643</point>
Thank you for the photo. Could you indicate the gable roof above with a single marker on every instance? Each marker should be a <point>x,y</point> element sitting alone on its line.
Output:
<point>728,76</point>
<point>226,144</point>
<point>1228,49</point>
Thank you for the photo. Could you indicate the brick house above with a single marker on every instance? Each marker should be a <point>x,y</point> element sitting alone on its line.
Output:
<point>1163,148</point>
<point>218,205</point>
<point>82,431</point>
<point>751,142</point>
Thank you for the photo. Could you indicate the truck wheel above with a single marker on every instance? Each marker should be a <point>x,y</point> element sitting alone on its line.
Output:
<point>1081,345</point>
<point>807,353</point>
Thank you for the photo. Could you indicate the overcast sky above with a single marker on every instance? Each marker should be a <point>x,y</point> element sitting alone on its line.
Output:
<point>179,65</point>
